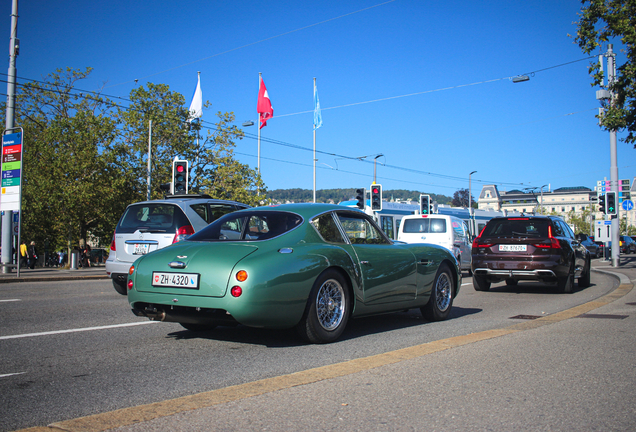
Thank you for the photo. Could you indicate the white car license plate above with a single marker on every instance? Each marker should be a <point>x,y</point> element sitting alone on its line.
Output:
<point>175,280</point>
<point>140,249</point>
<point>512,248</point>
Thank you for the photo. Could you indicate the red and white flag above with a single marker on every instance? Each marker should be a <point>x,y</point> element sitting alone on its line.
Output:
<point>264,105</point>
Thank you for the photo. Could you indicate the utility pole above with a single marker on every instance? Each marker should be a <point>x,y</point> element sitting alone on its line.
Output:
<point>7,216</point>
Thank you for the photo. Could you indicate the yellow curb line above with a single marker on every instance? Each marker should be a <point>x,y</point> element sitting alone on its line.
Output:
<point>144,413</point>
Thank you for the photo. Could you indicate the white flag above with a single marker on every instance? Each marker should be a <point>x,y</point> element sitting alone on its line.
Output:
<point>196,107</point>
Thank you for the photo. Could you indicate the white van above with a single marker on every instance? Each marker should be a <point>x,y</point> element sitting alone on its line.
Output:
<point>447,231</point>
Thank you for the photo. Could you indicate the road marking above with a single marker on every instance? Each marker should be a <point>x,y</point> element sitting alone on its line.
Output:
<point>11,374</point>
<point>76,330</point>
<point>10,300</point>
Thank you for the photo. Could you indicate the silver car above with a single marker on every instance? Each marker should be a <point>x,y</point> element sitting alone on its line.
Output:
<point>150,225</point>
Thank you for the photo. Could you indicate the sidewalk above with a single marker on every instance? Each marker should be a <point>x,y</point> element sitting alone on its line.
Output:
<point>43,274</point>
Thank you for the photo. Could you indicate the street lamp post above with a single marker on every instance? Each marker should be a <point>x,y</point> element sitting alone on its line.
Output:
<point>470,194</point>
<point>541,208</point>
<point>375,160</point>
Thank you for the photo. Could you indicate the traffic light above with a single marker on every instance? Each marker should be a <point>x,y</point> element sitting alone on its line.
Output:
<point>425,204</point>
<point>360,198</point>
<point>601,203</point>
<point>376,197</point>
<point>179,177</point>
<point>611,204</point>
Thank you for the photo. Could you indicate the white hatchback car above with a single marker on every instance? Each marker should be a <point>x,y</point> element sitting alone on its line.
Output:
<point>150,225</point>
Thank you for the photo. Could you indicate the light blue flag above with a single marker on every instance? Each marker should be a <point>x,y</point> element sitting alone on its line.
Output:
<point>317,115</point>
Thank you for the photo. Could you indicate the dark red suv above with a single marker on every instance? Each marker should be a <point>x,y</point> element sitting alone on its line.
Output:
<point>536,248</point>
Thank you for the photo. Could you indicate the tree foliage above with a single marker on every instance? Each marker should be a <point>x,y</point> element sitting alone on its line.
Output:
<point>85,158</point>
<point>606,21</point>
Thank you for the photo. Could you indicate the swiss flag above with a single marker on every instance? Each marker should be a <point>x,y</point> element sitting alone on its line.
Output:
<point>264,105</point>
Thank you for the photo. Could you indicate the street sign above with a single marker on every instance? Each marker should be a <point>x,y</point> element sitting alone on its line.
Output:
<point>628,205</point>
<point>602,230</point>
<point>11,171</point>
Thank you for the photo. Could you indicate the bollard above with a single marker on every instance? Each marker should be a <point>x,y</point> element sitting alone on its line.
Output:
<point>74,260</point>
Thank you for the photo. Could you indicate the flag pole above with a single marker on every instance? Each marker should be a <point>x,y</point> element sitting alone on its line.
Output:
<point>259,127</point>
<point>314,150</point>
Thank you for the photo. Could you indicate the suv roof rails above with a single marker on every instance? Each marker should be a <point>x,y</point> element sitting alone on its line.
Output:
<point>182,196</point>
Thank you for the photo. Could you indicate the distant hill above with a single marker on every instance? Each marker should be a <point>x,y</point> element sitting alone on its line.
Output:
<point>336,195</point>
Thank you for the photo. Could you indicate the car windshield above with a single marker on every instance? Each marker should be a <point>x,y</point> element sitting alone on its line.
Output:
<point>152,217</point>
<point>517,227</point>
<point>248,226</point>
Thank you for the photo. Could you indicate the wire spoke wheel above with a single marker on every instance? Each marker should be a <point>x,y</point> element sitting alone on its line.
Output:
<point>443,291</point>
<point>330,304</point>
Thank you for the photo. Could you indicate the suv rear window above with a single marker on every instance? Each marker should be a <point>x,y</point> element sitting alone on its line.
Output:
<point>256,225</point>
<point>152,218</point>
<point>424,225</point>
<point>517,227</point>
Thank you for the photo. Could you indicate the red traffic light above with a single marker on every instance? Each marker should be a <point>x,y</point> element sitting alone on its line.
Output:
<point>180,168</point>
<point>376,190</point>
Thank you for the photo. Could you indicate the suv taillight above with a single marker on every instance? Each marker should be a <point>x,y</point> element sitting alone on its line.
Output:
<point>182,233</point>
<point>550,243</point>
<point>479,243</point>
<point>112,244</point>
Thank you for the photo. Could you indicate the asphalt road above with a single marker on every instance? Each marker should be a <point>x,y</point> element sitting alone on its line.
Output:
<point>72,349</point>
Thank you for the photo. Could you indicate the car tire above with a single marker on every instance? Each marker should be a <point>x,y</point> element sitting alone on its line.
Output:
<point>120,288</point>
<point>584,279</point>
<point>480,283</point>
<point>328,309</point>
<point>198,327</point>
<point>511,282</point>
<point>441,301</point>
<point>566,284</point>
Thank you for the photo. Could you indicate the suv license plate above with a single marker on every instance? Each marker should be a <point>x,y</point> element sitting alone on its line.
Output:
<point>140,249</point>
<point>175,280</point>
<point>512,248</point>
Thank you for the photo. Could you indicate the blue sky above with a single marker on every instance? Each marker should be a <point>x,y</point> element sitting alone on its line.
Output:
<point>425,83</point>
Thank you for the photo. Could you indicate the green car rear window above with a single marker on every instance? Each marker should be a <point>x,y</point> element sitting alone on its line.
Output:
<point>248,226</point>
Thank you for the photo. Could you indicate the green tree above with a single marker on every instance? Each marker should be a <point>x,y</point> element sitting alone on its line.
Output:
<point>71,179</point>
<point>460,199</point>
<point>603,21</point>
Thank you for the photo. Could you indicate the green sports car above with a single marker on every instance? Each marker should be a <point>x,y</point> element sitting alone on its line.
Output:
<point>309,266</point>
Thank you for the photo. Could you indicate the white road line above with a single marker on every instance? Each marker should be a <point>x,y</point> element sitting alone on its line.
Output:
<point>10,300</point>
<point>467,284</point>
<point>76,330</point>
<point>11,374</point>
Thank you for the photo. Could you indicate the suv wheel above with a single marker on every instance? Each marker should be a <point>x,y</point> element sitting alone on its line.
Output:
<point>566,284</point>
<point>584,279</point>
<point>480,283</point>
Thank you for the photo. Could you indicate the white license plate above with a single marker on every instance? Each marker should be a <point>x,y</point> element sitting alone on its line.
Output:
<point>175,280</point>
<point>513,248</point>
<point>140,249</point>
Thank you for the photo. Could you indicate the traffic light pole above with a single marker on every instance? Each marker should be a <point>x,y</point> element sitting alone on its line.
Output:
<point>611,71</point>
